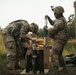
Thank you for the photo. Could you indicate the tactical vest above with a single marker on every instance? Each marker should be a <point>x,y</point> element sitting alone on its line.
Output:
<point>16,32</point>
<point>15,27</point>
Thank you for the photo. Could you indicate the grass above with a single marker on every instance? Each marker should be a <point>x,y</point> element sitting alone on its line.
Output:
<point>70,48</point>
<point>2,48</point>
<point>2,60</point>
<point>2,56</point>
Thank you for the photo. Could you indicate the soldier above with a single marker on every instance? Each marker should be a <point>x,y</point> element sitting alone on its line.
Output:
<point>15,31</point>
<point>59,35</point>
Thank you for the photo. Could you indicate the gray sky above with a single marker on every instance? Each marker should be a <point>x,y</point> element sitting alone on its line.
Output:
<point>31,10</point>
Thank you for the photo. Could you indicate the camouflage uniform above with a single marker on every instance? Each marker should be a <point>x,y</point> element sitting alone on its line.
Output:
<point>11,40</point>
<point>59,35</point>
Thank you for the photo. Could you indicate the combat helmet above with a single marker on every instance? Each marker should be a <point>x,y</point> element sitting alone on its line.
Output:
<point>58,9</point>
<point>35,28</point>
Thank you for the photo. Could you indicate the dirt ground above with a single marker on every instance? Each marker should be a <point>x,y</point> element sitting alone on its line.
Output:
<point>4,71</point>
<point>72,71</point>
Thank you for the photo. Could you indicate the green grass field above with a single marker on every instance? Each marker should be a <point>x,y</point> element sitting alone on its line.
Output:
<point>2,55</point>
<point>70,48</point>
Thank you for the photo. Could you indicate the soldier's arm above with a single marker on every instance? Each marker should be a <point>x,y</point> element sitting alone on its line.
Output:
<point>27,36</point>
<point>50,21</point>
<point>26,45</point>
<point>57,26</point>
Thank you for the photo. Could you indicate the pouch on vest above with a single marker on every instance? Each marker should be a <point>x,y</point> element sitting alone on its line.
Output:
<point>16,31</point>
<point>10,43</point>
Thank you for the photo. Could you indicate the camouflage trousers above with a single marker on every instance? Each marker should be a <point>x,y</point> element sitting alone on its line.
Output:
<point>57,60</point>
<point>12,52</point>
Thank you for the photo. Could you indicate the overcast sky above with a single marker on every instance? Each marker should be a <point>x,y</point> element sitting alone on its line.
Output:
<point>31,10</point>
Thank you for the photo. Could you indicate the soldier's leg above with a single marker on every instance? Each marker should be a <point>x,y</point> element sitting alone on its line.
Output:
<point>10,45</point>
<point>17,62</point>
<point>62,64</point>
<point>11,52</point>
<point>11,55</point>
<point>17,57</point>
<point>55,53</point>
<point>10,61</point>
<point>53,69</point>
<point>56,48</point>
<point>5,36</point>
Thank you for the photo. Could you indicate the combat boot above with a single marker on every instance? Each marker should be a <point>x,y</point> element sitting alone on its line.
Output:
<point>63,71</point>
<point>53,70</point>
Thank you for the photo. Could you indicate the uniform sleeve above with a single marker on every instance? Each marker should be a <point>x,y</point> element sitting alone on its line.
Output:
<point>57,26</point>
<point>24,29</point>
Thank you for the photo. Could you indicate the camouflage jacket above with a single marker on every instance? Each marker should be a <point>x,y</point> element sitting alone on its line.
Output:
<point>59,30</point>
<point>17,27</point>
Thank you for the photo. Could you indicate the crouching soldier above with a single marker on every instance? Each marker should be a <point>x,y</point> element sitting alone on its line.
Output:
<point>11,34</point>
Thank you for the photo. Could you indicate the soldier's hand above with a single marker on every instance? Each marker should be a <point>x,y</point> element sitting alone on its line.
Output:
<point>46,16</point>
<point>45,28</point>
<point>33,39</point>
<point>30,48</point>
<point>48,46</point>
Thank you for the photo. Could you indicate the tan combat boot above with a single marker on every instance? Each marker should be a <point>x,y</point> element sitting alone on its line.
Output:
<point>63,71</point>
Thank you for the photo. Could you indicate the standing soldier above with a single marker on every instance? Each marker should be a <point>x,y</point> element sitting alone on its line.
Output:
<point>59,35</point>
<point>15,31</point>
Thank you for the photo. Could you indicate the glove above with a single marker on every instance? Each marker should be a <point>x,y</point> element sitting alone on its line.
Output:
<point>48,46</point>
<point>46,16</point>
<point>33,39</point>
<point>45,28</point>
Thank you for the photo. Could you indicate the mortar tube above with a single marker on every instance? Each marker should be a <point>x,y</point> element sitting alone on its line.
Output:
<point>41,61</point>
<point>34,58</point>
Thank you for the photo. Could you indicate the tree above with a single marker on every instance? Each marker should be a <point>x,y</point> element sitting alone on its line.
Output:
<point>71,26</point>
